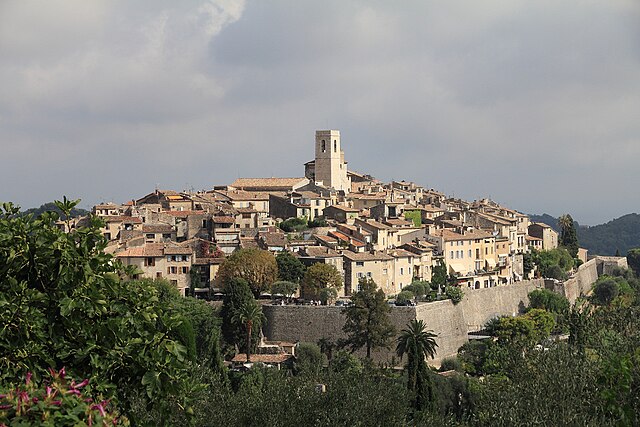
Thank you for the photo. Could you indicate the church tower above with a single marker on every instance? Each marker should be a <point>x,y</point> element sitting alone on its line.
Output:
<point>330,167</point>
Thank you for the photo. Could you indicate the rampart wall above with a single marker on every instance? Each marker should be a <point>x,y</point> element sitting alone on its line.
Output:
<point>451,322</point>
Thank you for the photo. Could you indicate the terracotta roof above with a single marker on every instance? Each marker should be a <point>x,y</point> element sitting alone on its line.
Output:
<point>262,358</point>
<point>266,182</point>
<point>326,239</point>
<point>248,242</point>
<point>184,214</point>
<point>274,239</point>
<point>373,224</point>
<point>177,250</point>
<point>366,256</point>
<point>449,235</point>
<point>223,219</point>
<point>398,222</point>
<point>156,228</point>
<point>320,252</point>
<point>242,195</point>
<point>148,250</point>
<point>343,208</point>
<point>400,253</point>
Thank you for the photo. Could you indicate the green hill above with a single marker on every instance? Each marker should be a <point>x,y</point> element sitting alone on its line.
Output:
<point>620,234</point>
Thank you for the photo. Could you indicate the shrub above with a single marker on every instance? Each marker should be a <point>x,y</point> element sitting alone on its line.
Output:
<point>454,293</point>
<point>404,297</point>
<point>294,225</point>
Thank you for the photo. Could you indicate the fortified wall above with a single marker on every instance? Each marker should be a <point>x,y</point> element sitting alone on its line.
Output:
<point>451,322</point>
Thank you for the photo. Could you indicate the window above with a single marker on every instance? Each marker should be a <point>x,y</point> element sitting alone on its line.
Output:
<point>470,253</point>
<point>401,271</point>
<point>477,252</point>
<point>359,263</point>
<point>185,270</point>
<point>451,255</point>
<point>368,274</point>
<point>384,271</point>
<point>486,251</point>
<point>324,146</point>
<point>151,236</point>
<point>360,276</point>
<point>335,145</point>
<point>174,270</point>
<point>159,275</point>
<point>204,223</point>
<point>150,262</point>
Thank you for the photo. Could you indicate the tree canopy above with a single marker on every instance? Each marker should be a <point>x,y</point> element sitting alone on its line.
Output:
<point>290,268</point>
<point>257,267</point>
<point>321,281</point>
<point>367,319</point>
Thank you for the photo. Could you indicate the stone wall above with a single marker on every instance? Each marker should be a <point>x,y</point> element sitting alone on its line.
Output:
<point>451,322</point>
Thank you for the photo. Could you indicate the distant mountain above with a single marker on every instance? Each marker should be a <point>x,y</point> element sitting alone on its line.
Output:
<point>620,234</point>
<point>52,207</point>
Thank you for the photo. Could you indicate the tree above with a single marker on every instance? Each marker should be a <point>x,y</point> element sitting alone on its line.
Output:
<point>284,288</point>
<point>321,277</point>
<point>418,344</point>
<point>404,297</point>
<point>257,267</point>
<point>237,295</point>
<point>309,359</point>
<point>633,259</point>
<point>250,316</point>
<point>326,347</point>
<point>439,276</point>
<point>367,324</point>
<point>548,300</point>
<point>290,268</point>
<point>568,235</point>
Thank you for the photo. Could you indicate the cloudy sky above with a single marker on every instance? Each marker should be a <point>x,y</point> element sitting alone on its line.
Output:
<point>535,104</point>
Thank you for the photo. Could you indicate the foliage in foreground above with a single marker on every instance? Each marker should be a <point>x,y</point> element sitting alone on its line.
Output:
<point>65,303</point>
<point>60,401</point>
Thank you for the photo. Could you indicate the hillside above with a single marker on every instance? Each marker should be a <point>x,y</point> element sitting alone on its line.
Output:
<point>619,234</point>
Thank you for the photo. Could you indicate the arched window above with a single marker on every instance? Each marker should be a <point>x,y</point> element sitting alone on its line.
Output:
<point>324,146</point>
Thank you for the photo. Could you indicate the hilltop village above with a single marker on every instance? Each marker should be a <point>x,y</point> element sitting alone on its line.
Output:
<point>393,233</point>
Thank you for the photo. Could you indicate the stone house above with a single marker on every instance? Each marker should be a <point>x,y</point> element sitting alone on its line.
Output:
<point>548,235</point>
<point>161,260</point>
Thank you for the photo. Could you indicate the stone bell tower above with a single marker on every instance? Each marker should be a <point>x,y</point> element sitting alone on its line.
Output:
<point>330,167</point>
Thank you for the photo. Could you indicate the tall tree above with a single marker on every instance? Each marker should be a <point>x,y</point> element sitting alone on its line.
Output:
<point>321,281</point>
<point>368,323</point>
<point>249,316</point>
<point>439,276</point>
<point>568,235</point>
<point>418,344</point>
<point>256,266</point>
<point>237,295</point>
<point>290,268</point>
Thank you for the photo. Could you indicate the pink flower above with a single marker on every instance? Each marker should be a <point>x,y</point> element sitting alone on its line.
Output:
<point>73,391</point>
<point>100,408</point>
<point>62,373</point>
<point>57,402</point>
<point>28,379</point>
<point>3,407</point>
<point>81,384</point>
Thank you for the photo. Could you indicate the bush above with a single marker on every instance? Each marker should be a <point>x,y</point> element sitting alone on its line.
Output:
<point>404,297</point>
<point>454,293</point>
<point>309,359</point>
<point>318,222</point>
<point>451,364</point>
<point>294,225</point>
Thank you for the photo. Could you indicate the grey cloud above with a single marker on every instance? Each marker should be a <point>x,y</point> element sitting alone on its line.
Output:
<point>532,103</point>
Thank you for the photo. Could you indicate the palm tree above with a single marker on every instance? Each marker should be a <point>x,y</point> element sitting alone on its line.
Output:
<point>418,344</point>
<point>249,315</point>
